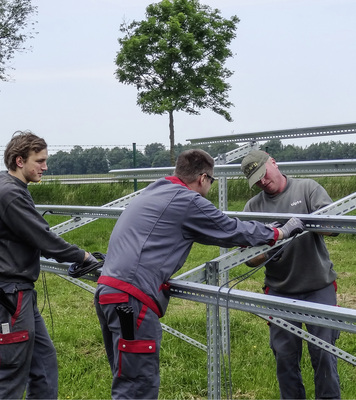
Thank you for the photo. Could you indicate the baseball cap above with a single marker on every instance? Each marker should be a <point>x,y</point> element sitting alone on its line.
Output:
<point>254,166</point>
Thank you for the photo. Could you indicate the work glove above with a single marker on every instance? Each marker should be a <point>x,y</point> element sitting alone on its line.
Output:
<point>89,260</point>
<point>92,263</point>
<point>274,224</point>
<point>292,227</point>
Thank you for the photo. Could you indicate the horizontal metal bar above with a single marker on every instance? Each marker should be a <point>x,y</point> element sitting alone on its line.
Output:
<point>78,181</point>
<point>81,211</point>
<point>315,131</point>
<point>315,223</point>
<point>300,168</point>
<point>296,310</point>
<point>48,265</point>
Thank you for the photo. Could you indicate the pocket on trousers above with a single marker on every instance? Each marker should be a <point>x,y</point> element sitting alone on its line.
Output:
<point>12,348</point>
<point>136,358</point>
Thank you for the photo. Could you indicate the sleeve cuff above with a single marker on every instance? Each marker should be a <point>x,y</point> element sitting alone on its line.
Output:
<point>275,236</point>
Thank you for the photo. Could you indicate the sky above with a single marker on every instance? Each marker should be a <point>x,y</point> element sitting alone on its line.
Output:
<point>294,66</point>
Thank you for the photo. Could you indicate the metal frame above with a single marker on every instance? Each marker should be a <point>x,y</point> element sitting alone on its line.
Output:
<point>202,283</point>
<point>191,286</point>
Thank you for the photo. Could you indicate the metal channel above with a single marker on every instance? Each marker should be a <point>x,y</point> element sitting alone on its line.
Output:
<point>301,168</point>
<point>315,131</point>
<point>296,310</point>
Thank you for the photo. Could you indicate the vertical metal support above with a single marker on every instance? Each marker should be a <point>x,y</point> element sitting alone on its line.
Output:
<point>224,277</point>
<point>134,164</point>
<point>213,336</point>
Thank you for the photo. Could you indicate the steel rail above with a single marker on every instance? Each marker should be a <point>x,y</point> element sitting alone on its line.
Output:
<point>314,223</point>
<point>256,303</point>
<point>315,131</point>
<point>300,168</point>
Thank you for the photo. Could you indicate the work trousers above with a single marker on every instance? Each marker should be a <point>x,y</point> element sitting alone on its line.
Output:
<point>134,363</point>
<point>28,360</point>
<point>287,349</point>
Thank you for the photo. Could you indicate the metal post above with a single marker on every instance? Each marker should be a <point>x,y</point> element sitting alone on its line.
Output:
<point>213,336</point>
<point>224,277</point>
<point>134,164</point>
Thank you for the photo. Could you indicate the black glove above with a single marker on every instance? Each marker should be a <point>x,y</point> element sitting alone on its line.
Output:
<point>291,227</point>
<point>90,264</point>
<point>90,260</point>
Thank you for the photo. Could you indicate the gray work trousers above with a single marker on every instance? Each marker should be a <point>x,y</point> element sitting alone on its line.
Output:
<point>28,360</point>
<point>134,363</point>
<point>287,349</point>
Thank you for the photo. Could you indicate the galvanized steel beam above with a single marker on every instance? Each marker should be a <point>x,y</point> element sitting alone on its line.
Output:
<point>315,131</point>
<point>300,168</point>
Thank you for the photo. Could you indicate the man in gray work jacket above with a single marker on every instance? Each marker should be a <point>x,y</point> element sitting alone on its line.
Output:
<point>150,242</point>
<point>27,356</point>
<point>302,271</point>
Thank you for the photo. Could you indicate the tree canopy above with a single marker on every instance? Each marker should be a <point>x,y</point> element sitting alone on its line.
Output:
<point>15,28</point>
<point>176,58</point>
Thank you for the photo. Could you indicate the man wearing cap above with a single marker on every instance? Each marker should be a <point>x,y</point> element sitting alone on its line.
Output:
<point>302,271</point>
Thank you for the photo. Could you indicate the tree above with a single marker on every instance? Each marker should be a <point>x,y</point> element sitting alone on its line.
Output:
<point>152,149</point>
<point>14,30</point>
<point>176,58</point>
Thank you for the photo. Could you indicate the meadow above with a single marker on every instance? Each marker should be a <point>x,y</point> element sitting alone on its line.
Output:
<point>71,320</point>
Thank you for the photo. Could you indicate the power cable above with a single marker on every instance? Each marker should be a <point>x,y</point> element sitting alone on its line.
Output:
<point>45,300</point>
<point>239,279</point>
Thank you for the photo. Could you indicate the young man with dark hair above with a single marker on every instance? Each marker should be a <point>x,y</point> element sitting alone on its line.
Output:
<point>302,271</point>
<point>150,242</point>
<point>27,356</point>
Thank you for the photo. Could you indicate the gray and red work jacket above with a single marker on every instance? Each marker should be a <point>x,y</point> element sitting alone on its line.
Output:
<point>153,237</point>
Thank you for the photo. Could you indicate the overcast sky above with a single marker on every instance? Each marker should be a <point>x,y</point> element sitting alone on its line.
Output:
<point>294,67</point>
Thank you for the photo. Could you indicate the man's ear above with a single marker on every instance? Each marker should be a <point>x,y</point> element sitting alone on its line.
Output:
<point>274,163</point>
<point>19,161</point>
<point>202,177</point>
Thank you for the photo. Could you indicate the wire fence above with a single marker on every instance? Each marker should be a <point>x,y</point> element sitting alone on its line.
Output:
<point>53,149</point>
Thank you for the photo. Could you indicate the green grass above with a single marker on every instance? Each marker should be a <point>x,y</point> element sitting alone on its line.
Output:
<point>83,369</point>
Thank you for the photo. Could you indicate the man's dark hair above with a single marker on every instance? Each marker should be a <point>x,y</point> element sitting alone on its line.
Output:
<point>191,163</point>
<point>21,144</point>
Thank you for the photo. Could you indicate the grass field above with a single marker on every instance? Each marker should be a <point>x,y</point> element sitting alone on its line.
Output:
<point>71,320</point>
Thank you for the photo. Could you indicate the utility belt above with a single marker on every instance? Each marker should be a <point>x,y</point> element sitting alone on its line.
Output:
<point>163,293</point>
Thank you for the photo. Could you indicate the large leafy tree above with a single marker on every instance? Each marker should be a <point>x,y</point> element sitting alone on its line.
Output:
<point>176,59</point>
<point>15,28</point>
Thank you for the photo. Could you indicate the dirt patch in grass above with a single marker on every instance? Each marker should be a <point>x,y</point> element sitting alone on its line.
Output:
<point>346,300</point>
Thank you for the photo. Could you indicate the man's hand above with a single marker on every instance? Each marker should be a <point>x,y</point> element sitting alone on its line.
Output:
<point>89,260</point>
<point>91,264</point>
<point>292,227</point>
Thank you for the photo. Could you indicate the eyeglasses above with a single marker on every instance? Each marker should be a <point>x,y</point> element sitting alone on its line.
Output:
<point>212,180</point>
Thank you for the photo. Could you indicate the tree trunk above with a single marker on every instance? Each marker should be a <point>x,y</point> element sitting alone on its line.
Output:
<point>171,138</point>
